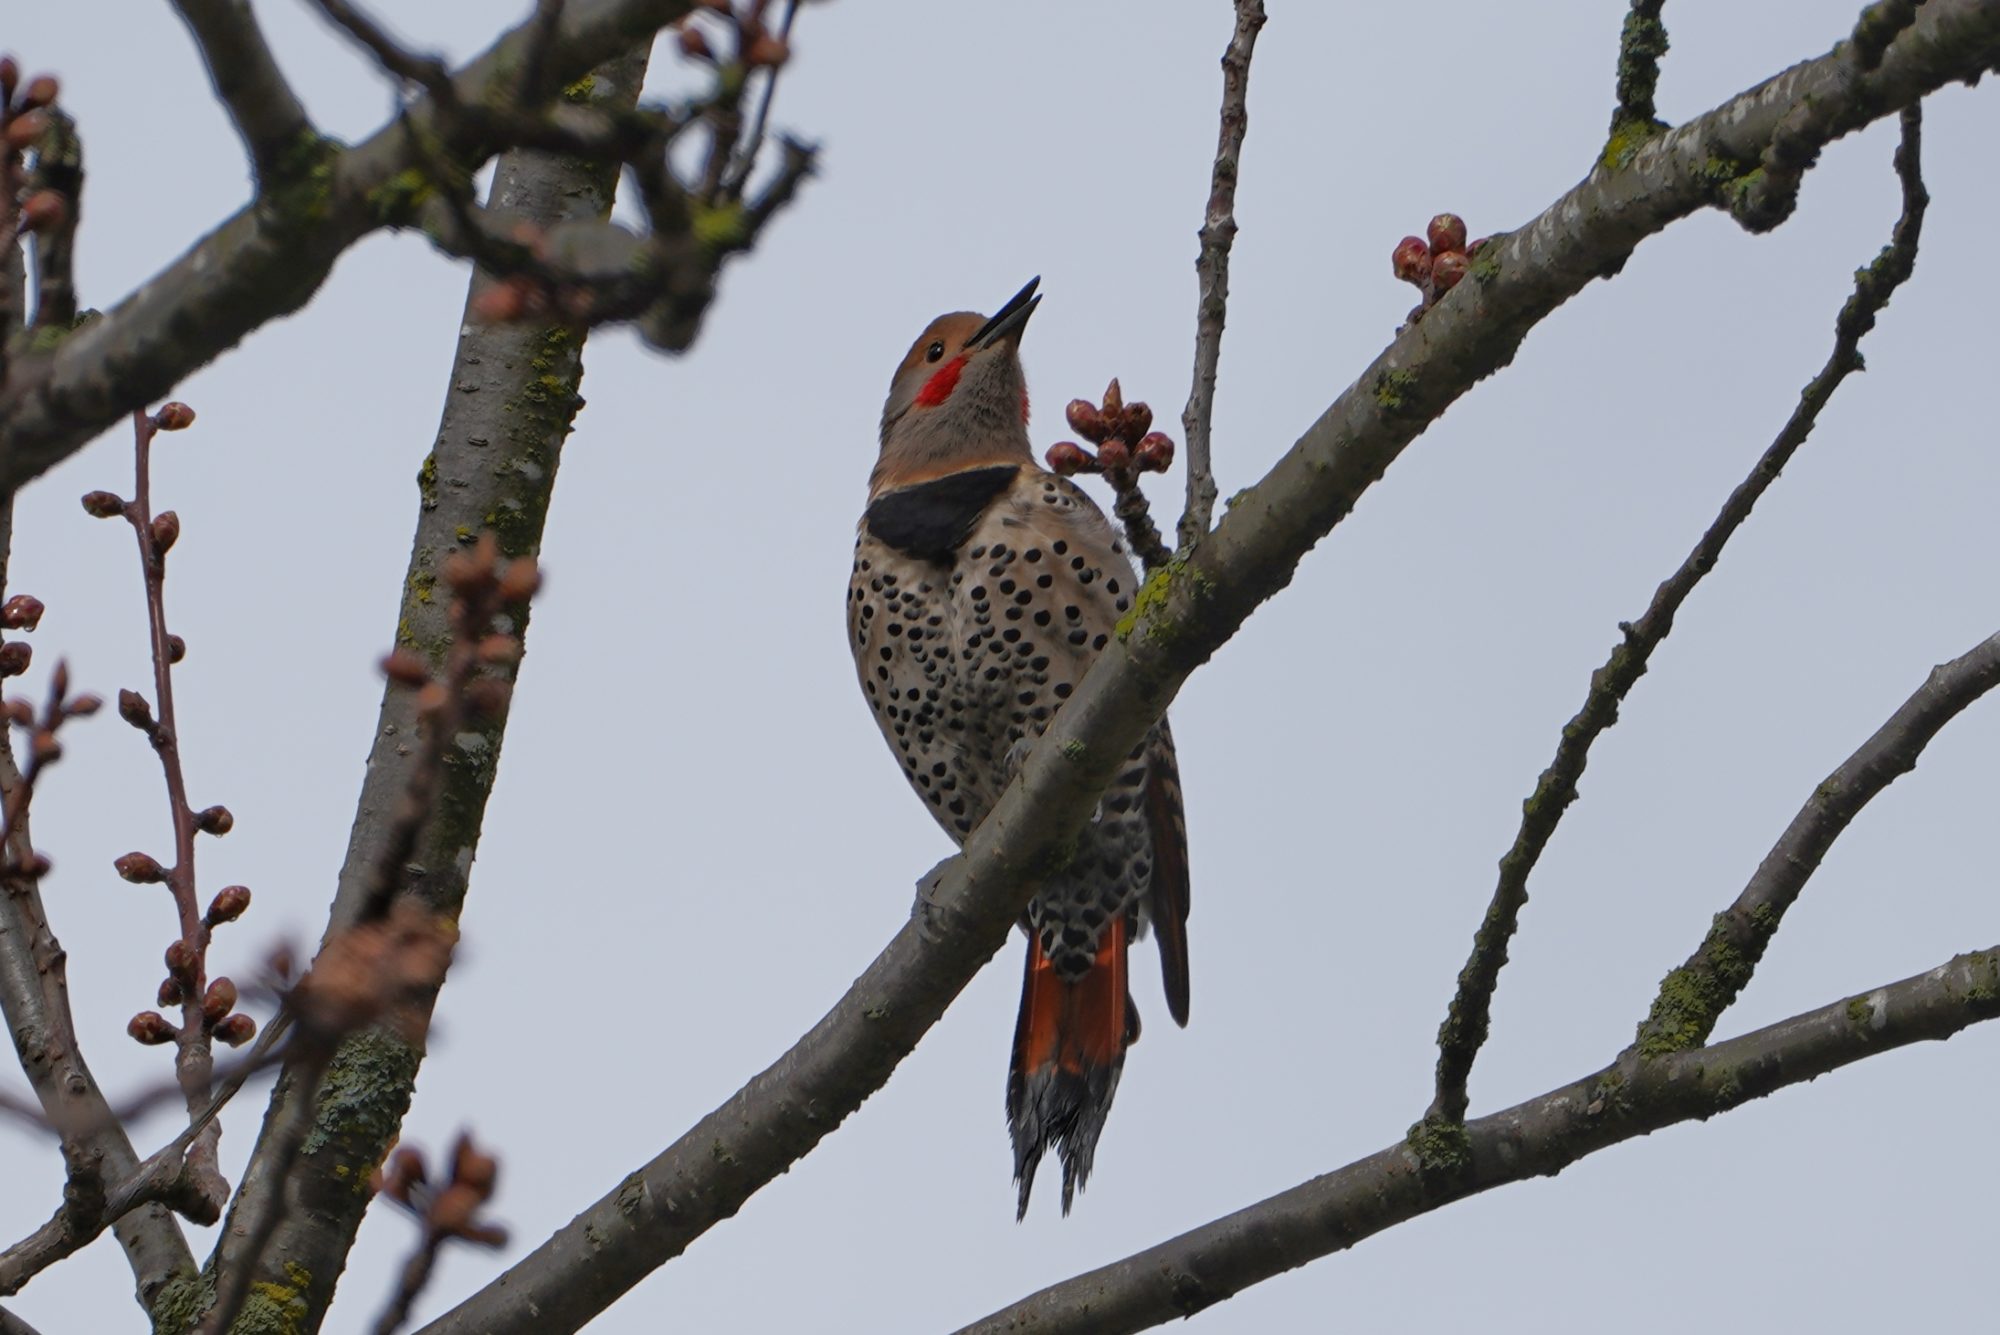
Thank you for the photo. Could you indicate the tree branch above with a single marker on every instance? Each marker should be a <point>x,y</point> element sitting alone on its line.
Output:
<point>1465,1025</point>
<point>1693,997</point>
<point>969,903</point>
<point>1218,233</point>
<point>269,258</point>
<point>512,397</point>
<point>1538,1138</point>
<point>268,116</point>
<point>34,1000</point>
<point>1640,46</point>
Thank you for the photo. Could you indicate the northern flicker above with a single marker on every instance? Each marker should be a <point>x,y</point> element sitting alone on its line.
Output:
<point>983,589</point>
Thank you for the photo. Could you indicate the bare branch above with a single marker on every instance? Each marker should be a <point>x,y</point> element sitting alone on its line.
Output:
<point>269,258</point>
<point>970,902</point>
<point>1695,995</point>
<point>743,157</point>
<point>268,116</point>
<point>427,72</point>
<point>13,1325</point>
<point>59,170</point>
<point>1218,233</point>
<point>1538,1138</point>
<point>1465,1026</point>
<point>1640,46</point>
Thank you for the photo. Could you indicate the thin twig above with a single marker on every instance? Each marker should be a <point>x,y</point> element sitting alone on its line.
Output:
<point>194,1061</point>
<point>1218,232</point>
<point>427,72</point>
<point>1640,46</point>
<point>1465,1025</point>
<point>747,150</point>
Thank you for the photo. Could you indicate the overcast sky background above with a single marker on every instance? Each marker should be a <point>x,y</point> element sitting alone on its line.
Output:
<point>698,838</point>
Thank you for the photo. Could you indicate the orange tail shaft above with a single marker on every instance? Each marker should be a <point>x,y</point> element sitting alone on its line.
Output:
<point>1069,1047</point>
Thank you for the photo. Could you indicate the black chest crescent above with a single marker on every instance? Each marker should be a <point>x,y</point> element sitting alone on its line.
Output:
<point>931,519</point>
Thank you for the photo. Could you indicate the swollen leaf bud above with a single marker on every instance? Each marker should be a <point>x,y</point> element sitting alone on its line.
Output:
<point>151,1028</point>
<point>140,869</point>
<point>406,667</point>
<point>103,504</point>
<point>177,648</point>
<point>180,958</point>
<point>228,904</point>
<point>766,51</point>
<point>83,706</point>
<point>237,1030</point>
<point>15,655</point>
<point>45,748</point>
<point>1446,232</point>
<point>1447,270</point>
<point>42,91</point>
<point>1086,421</point>
<point>132,707</point>
<point>521,579</point>
<point>499,649</point>
<point>214,820</point>
<point>18,712</point>
<point>1411,260</point>
<point>171,992</point>
<point>25,131</point>
<point>1136,421</point>
<point>486,697</point>
<point>43,211</point>
<point>175,416</point>
<point>1154,453</point>
<point>166,531</point>
<point>1068,458</point>
<point>473,1167</point>
<point>1114,456</point>
<point>218,1001</point>
<point>1114,398</point>
<point>22,612</point>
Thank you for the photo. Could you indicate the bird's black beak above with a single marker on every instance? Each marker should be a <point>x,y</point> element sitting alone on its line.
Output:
<point>1009,320</point>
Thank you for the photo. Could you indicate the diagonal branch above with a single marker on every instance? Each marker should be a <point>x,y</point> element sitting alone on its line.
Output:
<point>267,114</point>
<point>1693,997</point>
<point>268,259</point>
<point>1465,1026</point>
<point>1218,233</point>
<point>1183,614</point>
<point>1538,1138</point>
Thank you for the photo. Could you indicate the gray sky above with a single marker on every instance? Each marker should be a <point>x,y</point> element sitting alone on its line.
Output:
<point>654,918</point>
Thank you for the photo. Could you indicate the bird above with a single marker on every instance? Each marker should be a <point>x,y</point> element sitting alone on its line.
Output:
<point>983,588</point>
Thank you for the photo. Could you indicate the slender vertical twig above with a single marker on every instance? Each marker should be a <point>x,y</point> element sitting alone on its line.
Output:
<point>1465,1025</point>
<point>1218,232</point>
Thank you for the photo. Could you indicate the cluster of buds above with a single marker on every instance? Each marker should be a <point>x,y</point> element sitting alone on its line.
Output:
<point>376,972</point>
<point>754,44</point>
<point>219,1017</point>
<point>1121,431</point>
<point>1434,263</point>
<point>23,612</point>
<point>482,586</point>
<point>24,119</point>
<point>450,1210</point>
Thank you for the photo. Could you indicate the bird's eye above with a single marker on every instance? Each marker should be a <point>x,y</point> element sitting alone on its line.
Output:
<point>933,352</point>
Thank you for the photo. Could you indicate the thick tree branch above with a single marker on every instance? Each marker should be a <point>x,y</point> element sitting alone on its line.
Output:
<point>268,116</point>
<point>969,903</point>
<point>1537,1138</point>
<point>1218,233</point>
<point>1693,997</point>
<point>269,258</point>
<point>511,399</point>
<point>1465,1026</point>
